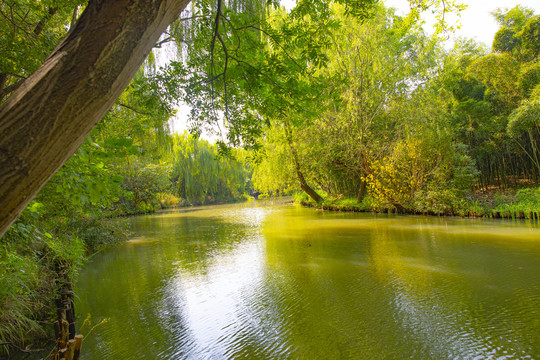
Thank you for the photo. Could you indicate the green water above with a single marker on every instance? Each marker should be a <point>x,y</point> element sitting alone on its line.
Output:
<point>267,281</point>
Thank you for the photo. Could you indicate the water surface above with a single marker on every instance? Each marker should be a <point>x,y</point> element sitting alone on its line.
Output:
<point>264,281</point>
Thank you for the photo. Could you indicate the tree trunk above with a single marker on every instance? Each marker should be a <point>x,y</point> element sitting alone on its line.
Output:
<point>307,189</point>
<point>303,183</point>
<point>362,192</point>
<point>48,117</point>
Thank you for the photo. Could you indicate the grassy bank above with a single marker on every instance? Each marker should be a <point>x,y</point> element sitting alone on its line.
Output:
<point>29,250</point>
<point>510,204</point>
<point>28,280</point>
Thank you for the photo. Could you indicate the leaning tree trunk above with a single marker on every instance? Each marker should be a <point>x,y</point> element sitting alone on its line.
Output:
<point>303,183</point>
<point>48,117</point>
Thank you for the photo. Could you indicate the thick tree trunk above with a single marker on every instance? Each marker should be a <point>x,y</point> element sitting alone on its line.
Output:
<point>48,117</point>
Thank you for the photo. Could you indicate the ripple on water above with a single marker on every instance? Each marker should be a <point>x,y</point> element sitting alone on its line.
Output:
<point>251,283</point>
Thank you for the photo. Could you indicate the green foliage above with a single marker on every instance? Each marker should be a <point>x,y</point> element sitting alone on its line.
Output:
<point>525,200</point>
<point>142,182</point>
<point>29,31</point>
<point>529,199</point>
<point>273,171</point>
<point>529,79</point>
<point>499,74</point>
<point>530,37</point>
<point>93,233</point>
<point>380,131</point>
<point>300,197</point>
<point>506,40</point>
<point>519,34</point>
<point>27,281</point>
<point>525,119</point>
<point>83,183</point>
<point>203,176</point>
<point>167,200</point>
<point>22,299</point>
<point>492,97</point>
<point>463,171</point>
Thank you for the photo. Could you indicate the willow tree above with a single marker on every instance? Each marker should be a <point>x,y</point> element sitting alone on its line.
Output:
<point>48,117</point>
<point>52,111</point>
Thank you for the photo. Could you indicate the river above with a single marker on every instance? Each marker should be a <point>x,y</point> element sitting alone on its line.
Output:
<point>278,281</point>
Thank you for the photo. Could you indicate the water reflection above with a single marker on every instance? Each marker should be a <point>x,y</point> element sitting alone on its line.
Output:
<point>281,282</point>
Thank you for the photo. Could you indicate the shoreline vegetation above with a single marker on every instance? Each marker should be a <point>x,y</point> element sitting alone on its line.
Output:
<point>521,204</point>
<point>28,279</point>
<point>83,209</point>
<point>25,328</point>
<point>367,106</point>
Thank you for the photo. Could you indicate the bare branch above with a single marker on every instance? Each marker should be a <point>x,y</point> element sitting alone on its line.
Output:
<point>4,91</point>
<point>193,17</point>
<point>164,41</point>
<point>10,88</point>
<point>133,109</point>
<point>212,46</point>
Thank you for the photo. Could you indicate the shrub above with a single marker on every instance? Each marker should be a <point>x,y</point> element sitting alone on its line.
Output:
<point>167,200</point>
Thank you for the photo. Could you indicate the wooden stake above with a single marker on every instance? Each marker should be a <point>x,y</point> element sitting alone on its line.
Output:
<point>62,354</point>
<point>71,349</point>
<point>65,332</point>
<point>77,347</point>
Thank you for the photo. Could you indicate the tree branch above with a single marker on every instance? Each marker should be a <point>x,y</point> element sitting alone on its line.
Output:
<point>41,24</point>
<point>133,109</point>
<point>164,41</point>
<point>74,17</point>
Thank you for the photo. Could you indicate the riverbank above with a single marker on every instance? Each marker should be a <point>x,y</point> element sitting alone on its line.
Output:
<point>509,204</point>
<point>28,253</point>
<point>197,279</point>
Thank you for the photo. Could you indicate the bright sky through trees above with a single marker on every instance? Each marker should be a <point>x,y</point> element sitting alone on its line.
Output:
<point>476,21</point>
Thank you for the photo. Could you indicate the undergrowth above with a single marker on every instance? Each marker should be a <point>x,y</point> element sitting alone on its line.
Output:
<point>28,252</point>
<point>520,203</point>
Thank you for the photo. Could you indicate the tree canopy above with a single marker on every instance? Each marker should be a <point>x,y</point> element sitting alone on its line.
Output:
<point>53,110</point>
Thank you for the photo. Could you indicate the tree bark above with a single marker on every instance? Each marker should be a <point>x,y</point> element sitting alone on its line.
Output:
<point>362,192</point>
<point>303,183</point>
<point>48,117</point>
<point>40,25</point>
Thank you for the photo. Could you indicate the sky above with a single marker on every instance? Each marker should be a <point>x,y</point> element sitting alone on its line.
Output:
<point>476,23</point>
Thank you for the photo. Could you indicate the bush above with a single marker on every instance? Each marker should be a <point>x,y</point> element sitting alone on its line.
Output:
<point>526,200</point>
<point>167,200</point>
<point>298,197</point>
<point>436,201</point>
<point>93,233</point>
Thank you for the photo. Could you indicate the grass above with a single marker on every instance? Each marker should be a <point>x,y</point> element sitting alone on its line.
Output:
<point>330,203</point>
<point>28,278</point>
<point>25,288</point>
<point>523,203</point>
